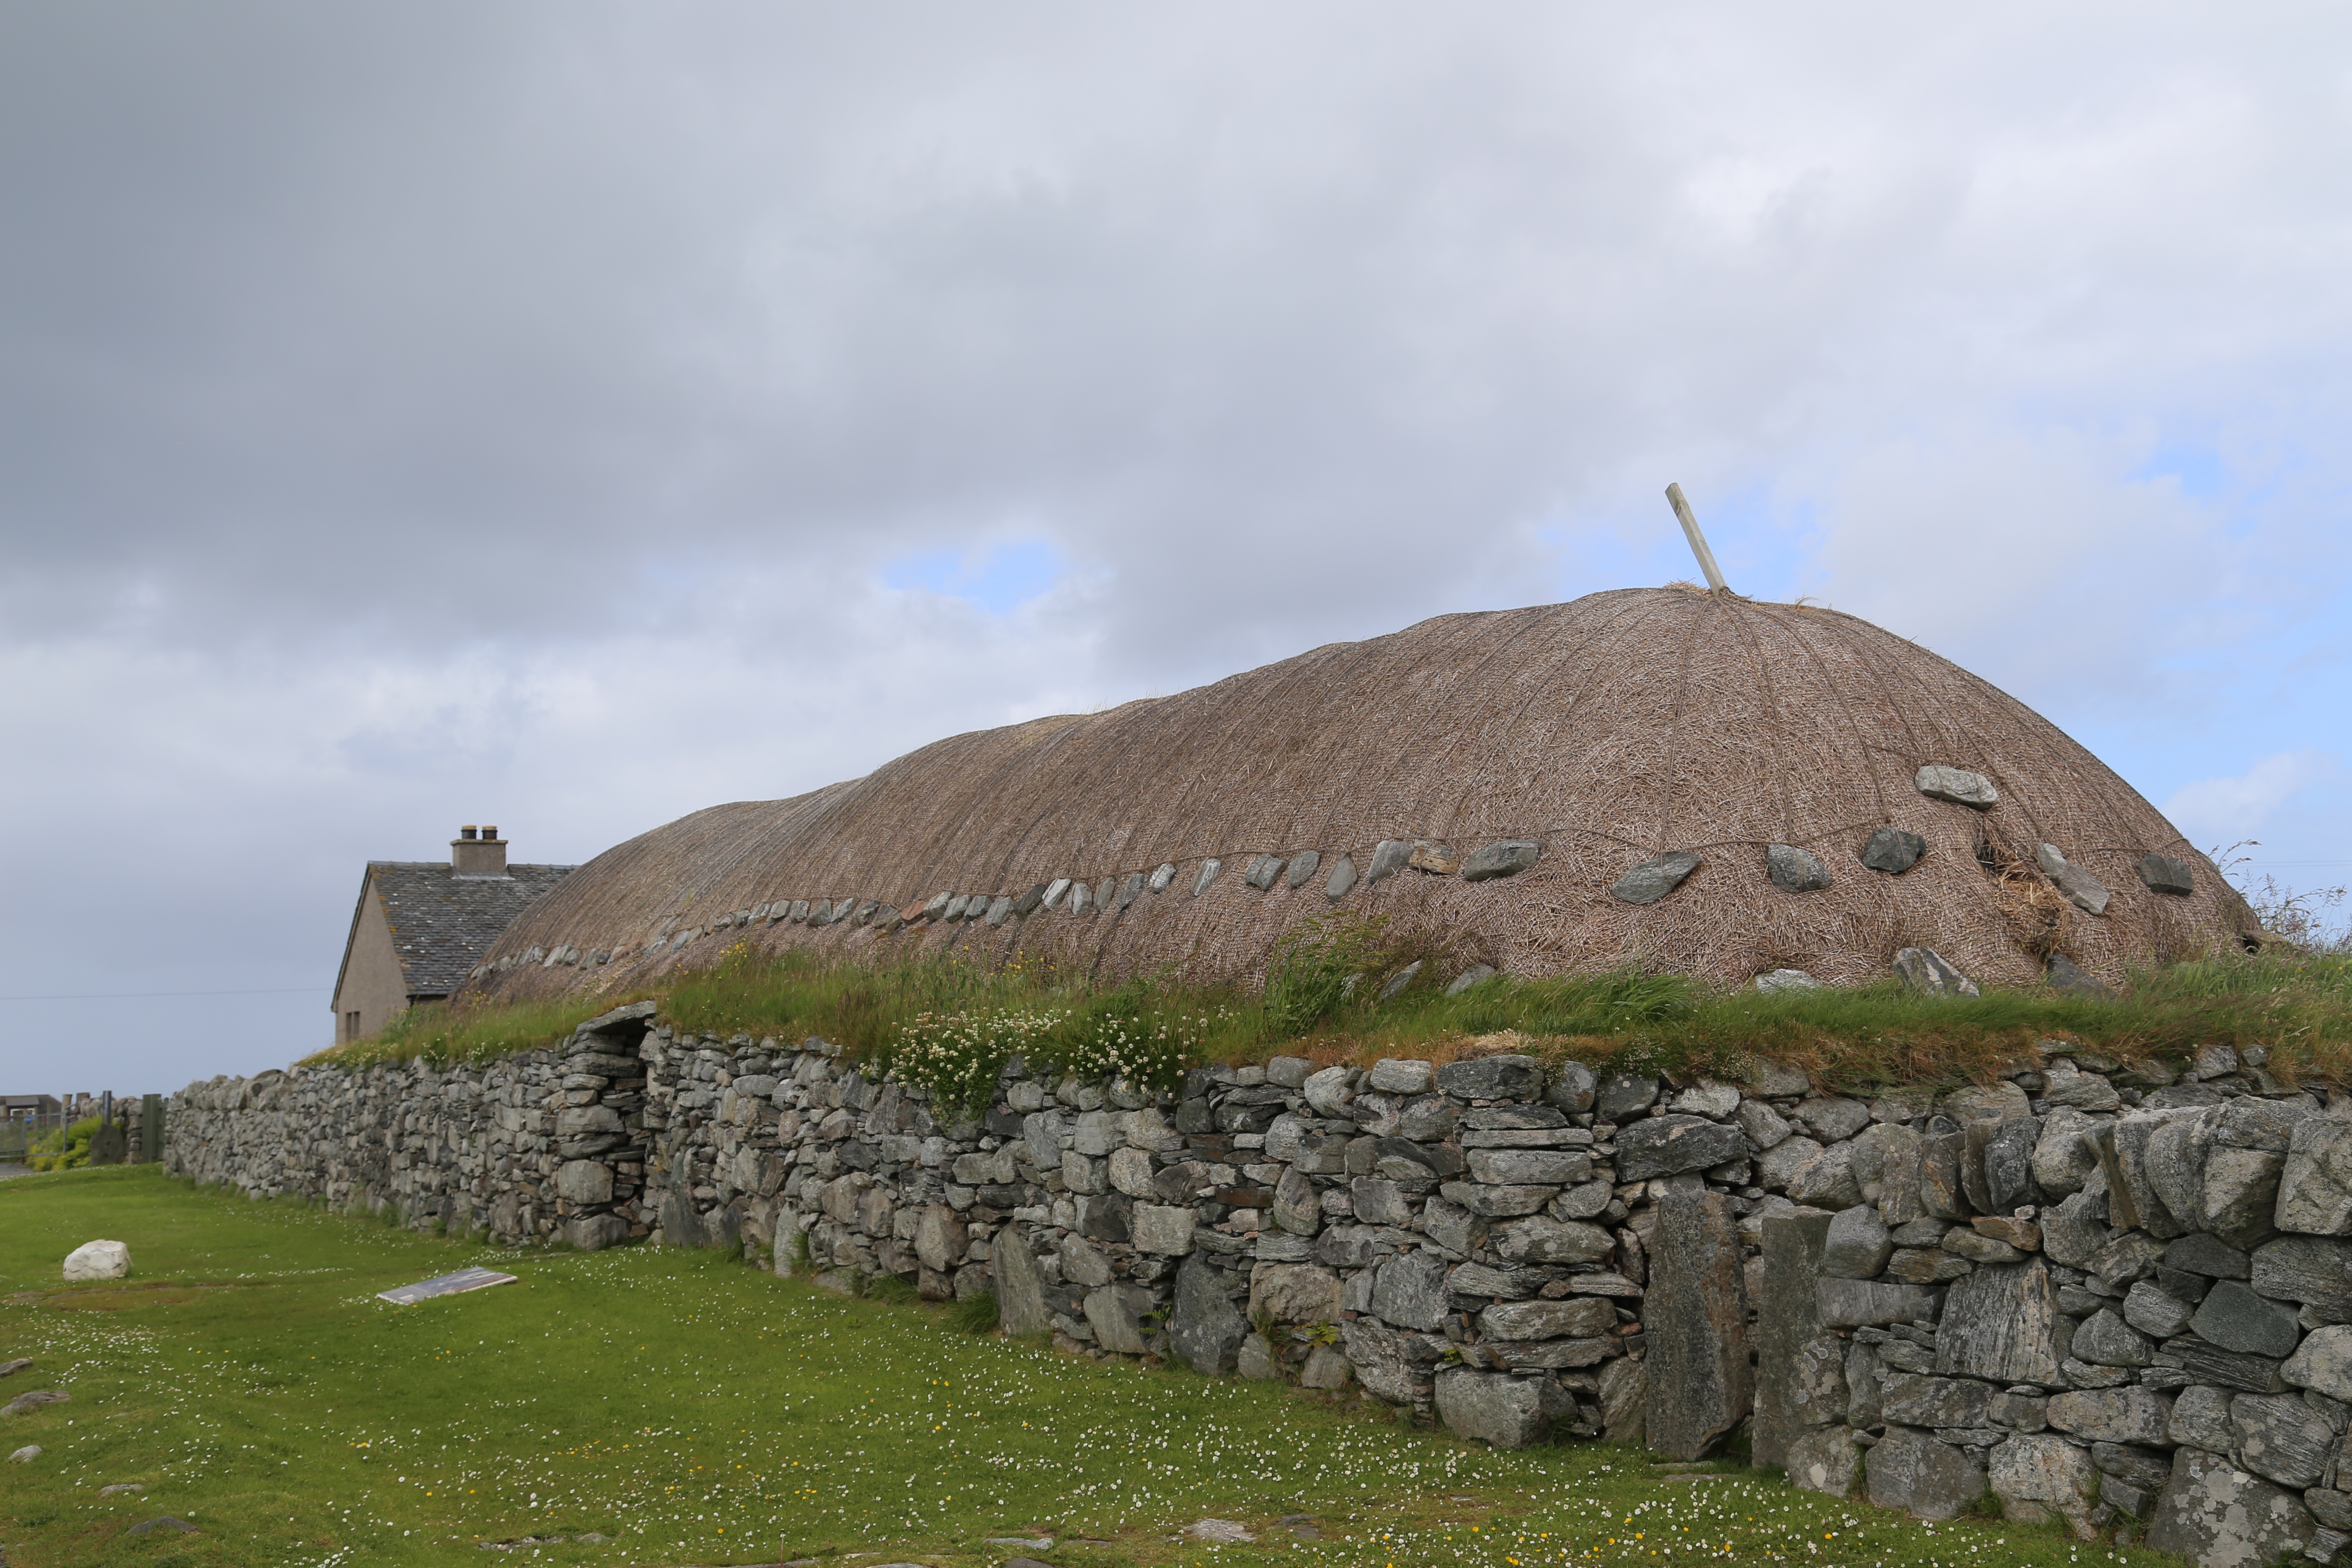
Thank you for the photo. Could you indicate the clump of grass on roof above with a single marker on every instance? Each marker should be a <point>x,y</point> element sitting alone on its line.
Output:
<point>1345,990</point>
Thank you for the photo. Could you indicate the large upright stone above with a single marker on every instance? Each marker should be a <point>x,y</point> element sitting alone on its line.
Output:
<point>1693,1319</point>
<point>1020,1288</point>
<point>1786,1321</point>
<point>2218,1515</point>
<point>1999,1324</point>
<point>1205,1327</point>
<point>1297,1207</point>
<point>1910,1471</point>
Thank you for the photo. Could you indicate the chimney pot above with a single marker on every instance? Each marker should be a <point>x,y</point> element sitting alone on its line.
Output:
<point>467,831</point>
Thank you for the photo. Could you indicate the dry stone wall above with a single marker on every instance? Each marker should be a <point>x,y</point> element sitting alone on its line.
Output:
<point>2091,1291</point>
<point>2095,1295</point>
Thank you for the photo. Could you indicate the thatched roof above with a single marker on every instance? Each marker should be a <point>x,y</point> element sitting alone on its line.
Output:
<point>1605,731</point>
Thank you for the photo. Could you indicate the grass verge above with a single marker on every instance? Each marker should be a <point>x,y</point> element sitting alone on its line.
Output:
<point>694,1410</point>
<point>1344,990</point>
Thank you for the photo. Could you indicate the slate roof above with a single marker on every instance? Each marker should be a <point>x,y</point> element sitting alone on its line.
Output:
<point>442,924</point>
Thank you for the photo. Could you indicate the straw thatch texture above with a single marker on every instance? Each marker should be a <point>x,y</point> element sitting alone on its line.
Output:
<point>1607,731</point>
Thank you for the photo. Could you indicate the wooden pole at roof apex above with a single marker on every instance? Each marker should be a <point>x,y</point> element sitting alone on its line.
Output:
<point>1698,540</point>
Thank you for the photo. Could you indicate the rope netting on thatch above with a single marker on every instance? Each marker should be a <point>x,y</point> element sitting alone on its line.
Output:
<point>1607,731</point>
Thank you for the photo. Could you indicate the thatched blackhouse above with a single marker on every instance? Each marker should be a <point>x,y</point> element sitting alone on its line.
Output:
<point>1788,787</point>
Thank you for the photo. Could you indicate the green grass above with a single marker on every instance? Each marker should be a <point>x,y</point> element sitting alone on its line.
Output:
<point>1324,1002</point>
<point>699,1412</point>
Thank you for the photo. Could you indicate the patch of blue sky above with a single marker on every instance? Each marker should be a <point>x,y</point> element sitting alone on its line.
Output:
<point>998,580</point>
<point>2200,470</point>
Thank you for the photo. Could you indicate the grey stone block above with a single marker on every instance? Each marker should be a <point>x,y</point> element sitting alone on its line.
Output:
<point>2315,1194</point>
<point>2124,1415</point>
<point>2234,1318</point>
<point>2038,1476</point>
<point>1857,1248</point>
<point>1020,1288</point>
<point>2323,1363</point>
<point>1508,858</point>
<point>1825,1459</point>
<point>1911,1470</point>
<point>1205,875</point>
<point>1262,871</point>
<point>1473,975</point>
<point>2281,1438</point>
<point>1410,1291</point>
<point>1665,1146</point>
<point>2105,1340</point>
<point>2082,889</point>
<point>1915,1401</point>
<point>1620,1094</point>
<point>1493,1078</point>
<point>2213,1512</point>
<point>1958,785</point>
<point>1580,1318</point>
<point>2000,1324</point>
<point>1795,870</point>
<point>1861,1303</point>
<point>2163,874</point>
<point>1302,868</point>
<point>1892,851</point>
<point>1506,1411</point>
<point>2314,1271</point>
<point>1655,878</point>
<point>1786,1321</point>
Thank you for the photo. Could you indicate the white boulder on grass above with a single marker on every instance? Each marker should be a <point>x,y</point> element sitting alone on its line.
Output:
<point>97,1260</point>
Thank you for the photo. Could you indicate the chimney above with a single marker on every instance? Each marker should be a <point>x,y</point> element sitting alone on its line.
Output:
<point>477,856</point>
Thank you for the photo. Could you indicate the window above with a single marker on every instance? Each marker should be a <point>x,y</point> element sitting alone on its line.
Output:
<point>350,1025</point>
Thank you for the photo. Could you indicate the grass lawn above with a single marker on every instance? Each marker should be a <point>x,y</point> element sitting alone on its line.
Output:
<point>694,1411</point>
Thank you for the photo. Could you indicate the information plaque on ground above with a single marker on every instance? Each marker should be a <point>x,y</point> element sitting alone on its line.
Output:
<point>446,1285</point>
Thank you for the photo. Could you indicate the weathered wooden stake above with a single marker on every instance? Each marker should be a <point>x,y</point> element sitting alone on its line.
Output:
<point>1698,540</point>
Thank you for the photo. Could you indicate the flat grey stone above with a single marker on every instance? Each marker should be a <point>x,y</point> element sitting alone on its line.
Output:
<point>2213,1512</point>
<point>1538,1239</point>
<point>2125,1414</point>
<point>1795,870</point>
<point>1389,857</point>
<point>1695,1322</point>
<point>1161,876</point>
<point>1262,871</point>
<point>1861,1303</point>
<point>2200,1418</point>
<point>1573,1088</point>
<point>1506,1411</point>
<point>2163,874</point>
<point>1410,1291</point>
<point>2312,1269</point>
<point>1655,878</point>
<point>1205,1327</point>
<point>2064,1084</point>
<point>2156,1314</point>
<point>1302,867</point>
<point>1665,1146</point>
<point>1826,1180</point>
<point>2281,1438</point>
<point>2203,1362</point>
<point>1923,970</point>
<point>1206,875</point>
<point>2063,1155</point>
<point>1911,1470</point>
<point>2208,1256</point>
<point>1582,1317</point>
<point>2232,1317</point>
<point>1493,1078</point>
<point>1893,850</point>
<point>1958,785</point>
<point>1830,1118</point>
<point>1130,889</point>
<point>1507,859</point>
<point>1297,1207</point>
<point>1342,880</point>
<point>1786,980</point>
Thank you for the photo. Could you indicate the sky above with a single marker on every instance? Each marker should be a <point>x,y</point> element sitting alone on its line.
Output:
<point>570,416</point>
